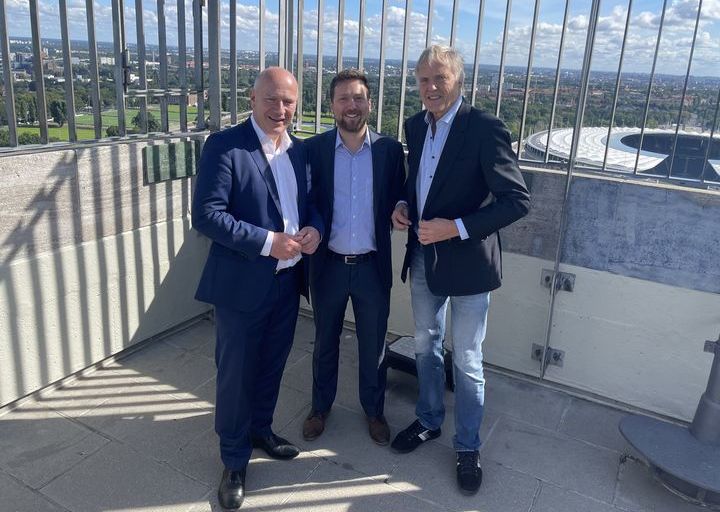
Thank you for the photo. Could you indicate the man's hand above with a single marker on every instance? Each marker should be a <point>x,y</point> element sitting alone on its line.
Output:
<point>400,218</point>
<point>284,246</point>
<point>437,230</point>
<point>309,238</point>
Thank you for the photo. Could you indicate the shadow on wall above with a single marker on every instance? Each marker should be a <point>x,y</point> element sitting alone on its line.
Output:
<point>93,261</point>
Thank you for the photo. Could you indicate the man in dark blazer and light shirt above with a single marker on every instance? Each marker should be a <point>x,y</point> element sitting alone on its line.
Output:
<point>357,178</point>
<point>463,186</point>
<point>251,199</point>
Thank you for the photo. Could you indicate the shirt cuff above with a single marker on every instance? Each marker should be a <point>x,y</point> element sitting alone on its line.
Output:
<point>268,244</point>
<point>461,229</point>
<point>401,202</point>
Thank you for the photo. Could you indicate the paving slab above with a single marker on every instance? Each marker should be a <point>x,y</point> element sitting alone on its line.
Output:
<point>594,423</point>
<point>37,446</point>
<point>555,499</point>
<point>554,457</point>
<point>117,478</point>
<point>429,473</point>
<point>16,497</point>
<point>638,491</point>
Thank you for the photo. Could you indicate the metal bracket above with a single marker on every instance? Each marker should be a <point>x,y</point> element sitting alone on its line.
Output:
<point>712,346</point>
<point>564,281</point>
<point>552,355</point>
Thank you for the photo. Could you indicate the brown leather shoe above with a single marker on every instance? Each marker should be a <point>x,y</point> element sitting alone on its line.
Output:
<point>314,425</point>
<point>379,430</point>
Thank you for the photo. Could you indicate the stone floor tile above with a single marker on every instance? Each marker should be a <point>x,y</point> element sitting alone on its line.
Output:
<point>638,491</point>
<point>16,497</point>
<point>594,423</point>
<point>553,457</point>
<point>37,446</point>
<point>194,338</point>
<point>119,479</point>
<point>429,473</point>
<point>554,499</point>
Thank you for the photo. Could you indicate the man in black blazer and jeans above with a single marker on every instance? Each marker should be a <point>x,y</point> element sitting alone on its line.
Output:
<point>463,185</point>
<point>357,178</point>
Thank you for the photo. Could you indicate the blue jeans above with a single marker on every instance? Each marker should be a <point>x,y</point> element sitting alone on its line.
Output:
<point>469,322</point>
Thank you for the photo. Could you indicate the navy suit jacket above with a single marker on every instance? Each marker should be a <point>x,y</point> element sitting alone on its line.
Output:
<point>235,204</point>
<point>477,180</point>
<point>388,162</point>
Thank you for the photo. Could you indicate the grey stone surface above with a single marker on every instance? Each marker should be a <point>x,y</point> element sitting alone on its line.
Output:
<point>37,446</point>
<point>113,198</point>
<point>118,478</point>
<point>594,423</point>
<point>554,499</point>
<point>16,497</point>
<point>39,203</point>
<point>554,457</point>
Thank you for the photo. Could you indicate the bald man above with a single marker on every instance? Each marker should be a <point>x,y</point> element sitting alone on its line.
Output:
<point>251,199</point>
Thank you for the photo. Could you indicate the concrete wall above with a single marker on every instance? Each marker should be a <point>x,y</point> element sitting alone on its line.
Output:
<point>92,261</point>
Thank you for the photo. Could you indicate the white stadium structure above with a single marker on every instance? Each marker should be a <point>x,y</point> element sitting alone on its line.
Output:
<point>622,151</point>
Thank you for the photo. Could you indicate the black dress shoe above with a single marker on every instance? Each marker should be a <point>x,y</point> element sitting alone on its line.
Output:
<point>231,491</point>
<point>276,447</point>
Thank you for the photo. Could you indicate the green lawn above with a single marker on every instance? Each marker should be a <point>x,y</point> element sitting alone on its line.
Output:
<point>109,117</point>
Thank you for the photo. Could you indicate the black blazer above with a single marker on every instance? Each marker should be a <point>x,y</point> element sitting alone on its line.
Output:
<point>388,162</point>
<point>477,180</point>
<point>235,204</point>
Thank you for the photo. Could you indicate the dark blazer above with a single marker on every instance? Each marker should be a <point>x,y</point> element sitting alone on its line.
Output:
<point>388,162</point>
<point>235,204</point>
<point>477,180</point>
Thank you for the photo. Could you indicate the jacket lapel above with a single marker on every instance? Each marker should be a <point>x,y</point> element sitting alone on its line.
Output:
<point>328,157</point>
<point>300,169</point>
<point>378,159</point>
<point>263,167</point>
<point>453,145</point>
<point>418,139</point>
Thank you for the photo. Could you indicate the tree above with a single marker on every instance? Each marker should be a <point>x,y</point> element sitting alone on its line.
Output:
<point>28,138</point>
<point>112,131</point>
<point>58,111</point>
<point>153,125</point>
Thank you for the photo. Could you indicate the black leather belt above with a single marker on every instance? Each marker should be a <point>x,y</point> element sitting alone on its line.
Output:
<point>285,270</point>
<point>352,259</point>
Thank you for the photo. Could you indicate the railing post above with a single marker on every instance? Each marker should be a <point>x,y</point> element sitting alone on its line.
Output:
<point>214,64</point>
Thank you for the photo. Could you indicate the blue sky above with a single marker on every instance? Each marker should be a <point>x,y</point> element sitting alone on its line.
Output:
<point>644,20</point>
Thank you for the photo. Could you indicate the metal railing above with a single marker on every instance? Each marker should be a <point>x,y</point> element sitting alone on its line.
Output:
<point>218,97</point>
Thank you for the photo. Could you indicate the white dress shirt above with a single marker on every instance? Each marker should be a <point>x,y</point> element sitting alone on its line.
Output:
<point>432,149</point>
<point>286,183</point>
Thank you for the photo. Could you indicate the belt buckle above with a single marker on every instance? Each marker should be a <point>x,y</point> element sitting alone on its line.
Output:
<point>349,259</point>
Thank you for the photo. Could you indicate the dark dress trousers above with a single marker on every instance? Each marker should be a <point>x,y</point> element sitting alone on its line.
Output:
<point>366,283</point>
<point>477,180</point>
<point>235,204</point>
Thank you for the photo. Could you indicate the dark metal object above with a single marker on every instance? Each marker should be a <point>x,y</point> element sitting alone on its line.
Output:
<point>553,356</point>
<point>401,356</point>
<point>564,281</point>
<point>686,460</point>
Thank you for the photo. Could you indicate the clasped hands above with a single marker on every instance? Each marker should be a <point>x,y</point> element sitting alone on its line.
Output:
<point>287,247</point>
<point>429,231</point>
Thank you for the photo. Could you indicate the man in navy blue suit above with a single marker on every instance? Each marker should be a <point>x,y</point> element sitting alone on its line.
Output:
<point>251,199</point>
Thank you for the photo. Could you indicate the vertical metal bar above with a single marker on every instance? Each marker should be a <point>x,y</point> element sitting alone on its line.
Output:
<point>94,77</point>
<point>684,93</point>
<point>290,23</point>
<point>162,43</point>
<point>381,78</point>
<point>233,97</point>
<point>453,22</point>
<point>584,80</point>
<point>526,95</point>
<point>38,71</point>
<point>8,78</point>
<point>198,50</point>
<point>300,65</point>
<point>403,71</point>
<point>340,35</point>
<point>428,28</point>
<point>182,63</point>
<point>214,64</point>
<point>476,60</point>
<point>319,71</point>
<point>712,134</point>
<point>556,87</point>
<point>361,36</point>
<point>119,44</point>
<point>142,71</point>
<point>282,27</point>
<point>616,92</point>
<point>261,31</point>
<point>67,73</point>
<point>650,86</point>
<point>503,52</point>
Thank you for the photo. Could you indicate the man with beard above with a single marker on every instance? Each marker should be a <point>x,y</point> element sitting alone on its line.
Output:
<point>357,178</point>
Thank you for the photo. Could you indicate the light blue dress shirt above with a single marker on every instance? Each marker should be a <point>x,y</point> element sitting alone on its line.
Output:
<point>353,224</point>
